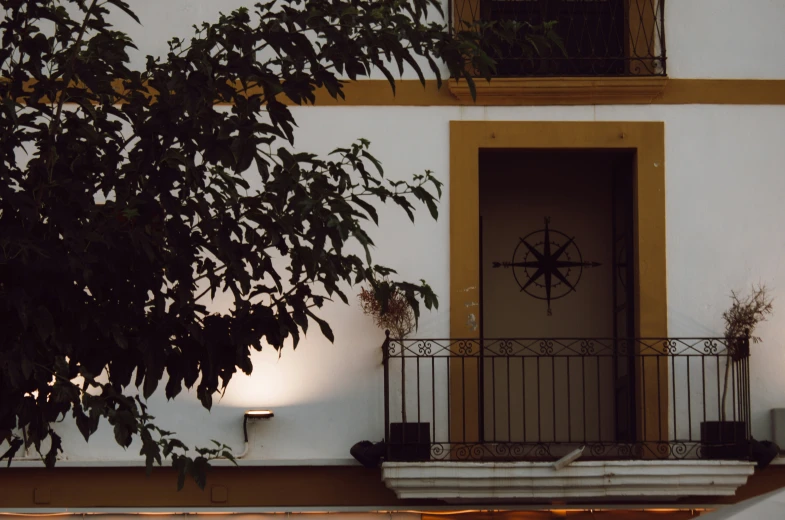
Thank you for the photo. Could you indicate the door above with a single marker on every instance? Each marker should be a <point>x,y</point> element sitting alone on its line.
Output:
<point>556,312</point>
<point>623,300</point>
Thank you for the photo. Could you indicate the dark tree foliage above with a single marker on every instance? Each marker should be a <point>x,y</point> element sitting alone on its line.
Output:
<point>128,199</point>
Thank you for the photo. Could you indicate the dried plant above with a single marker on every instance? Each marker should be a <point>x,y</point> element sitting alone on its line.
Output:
<point>744,314</point>
<point>398,316</point>
<point>395,315</point>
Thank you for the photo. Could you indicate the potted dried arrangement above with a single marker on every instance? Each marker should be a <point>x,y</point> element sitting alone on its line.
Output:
<point>407,440</point>
<point>727,438</point>
<point>397,317</point>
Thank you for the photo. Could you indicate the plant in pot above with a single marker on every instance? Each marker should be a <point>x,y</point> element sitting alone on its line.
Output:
<point>391,312</point>
<point>727,438</point>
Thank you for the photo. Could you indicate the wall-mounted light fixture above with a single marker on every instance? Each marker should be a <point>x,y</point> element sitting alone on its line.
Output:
<point>252,414</point>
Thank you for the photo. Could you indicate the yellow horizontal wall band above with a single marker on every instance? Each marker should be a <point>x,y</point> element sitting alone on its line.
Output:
<point>564,91</point>
<point>557,91</point>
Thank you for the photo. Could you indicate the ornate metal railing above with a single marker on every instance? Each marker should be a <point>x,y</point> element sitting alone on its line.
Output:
<point>600,37</point>
<point>540,398</point>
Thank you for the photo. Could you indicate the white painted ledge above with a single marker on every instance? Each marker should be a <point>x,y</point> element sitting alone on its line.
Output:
<point>140,463</point>
<point>666,479</point>
<point>779,460</point>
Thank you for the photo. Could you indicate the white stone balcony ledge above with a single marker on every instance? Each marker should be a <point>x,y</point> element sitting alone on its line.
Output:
<point>624,479</point>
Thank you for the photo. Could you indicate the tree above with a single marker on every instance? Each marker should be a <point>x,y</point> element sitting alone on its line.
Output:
<point>128,199</point>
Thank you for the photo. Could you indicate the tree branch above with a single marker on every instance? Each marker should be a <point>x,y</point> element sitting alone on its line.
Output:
<point>54,126</point>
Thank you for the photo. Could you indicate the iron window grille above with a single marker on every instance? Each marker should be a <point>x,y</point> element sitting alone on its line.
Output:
<point>601,37</point>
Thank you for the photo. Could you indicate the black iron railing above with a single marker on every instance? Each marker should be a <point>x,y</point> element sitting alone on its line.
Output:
<point>539,399</point>
<point>600,37</point>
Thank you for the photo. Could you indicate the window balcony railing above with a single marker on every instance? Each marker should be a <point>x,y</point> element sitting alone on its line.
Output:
<point>600,37</point>
<point>539,399</point>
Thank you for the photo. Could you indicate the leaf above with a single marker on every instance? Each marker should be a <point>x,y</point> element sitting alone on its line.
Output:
<point>472,87</point>
<point>375,162</point>
<point>181,464</point>
<point>198,470</point>
<point>13,448</point>
<point>55,447</point>
<point>171,444</point>
<point>11,108</point>
<point>387,74</point>
<point>125,8</point>
<point>124,425</point>
<point>119,337</point>
<point>323,326</point>
<point>150,450</point>
<point>44,323</point>
<point>82,422</point>
<point>87,107</point>
<point>229,456</point>
<point>367,207</point>
<point>26,366</point>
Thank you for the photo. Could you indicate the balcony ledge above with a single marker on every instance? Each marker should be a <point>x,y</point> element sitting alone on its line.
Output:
<point>562,91</point>
<point>647,479</point>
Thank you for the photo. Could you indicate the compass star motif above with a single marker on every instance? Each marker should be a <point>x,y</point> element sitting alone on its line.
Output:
<point>549,262</point>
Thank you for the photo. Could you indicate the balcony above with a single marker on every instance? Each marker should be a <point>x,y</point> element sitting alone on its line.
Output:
<point>600,37</point>
<point>669,417</point>
<point>613,51</point>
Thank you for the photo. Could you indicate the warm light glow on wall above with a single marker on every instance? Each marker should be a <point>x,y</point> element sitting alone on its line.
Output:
<point>293,379</point>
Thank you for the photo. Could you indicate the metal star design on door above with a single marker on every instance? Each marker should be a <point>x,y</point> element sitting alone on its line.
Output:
<point>547,264</point>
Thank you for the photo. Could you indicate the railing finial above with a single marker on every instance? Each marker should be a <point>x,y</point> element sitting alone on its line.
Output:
<point>386,347</point>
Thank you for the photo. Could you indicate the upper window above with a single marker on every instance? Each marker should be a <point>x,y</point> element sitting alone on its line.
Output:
<point>601,37</point>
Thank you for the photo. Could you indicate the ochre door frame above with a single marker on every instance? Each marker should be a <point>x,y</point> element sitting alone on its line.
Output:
<point>647,140</point>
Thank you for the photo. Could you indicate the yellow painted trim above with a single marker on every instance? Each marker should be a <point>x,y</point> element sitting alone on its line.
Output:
<point>562,91</point>
<point>647,139</point>
<point>674,92</point>
<point>557,91</point>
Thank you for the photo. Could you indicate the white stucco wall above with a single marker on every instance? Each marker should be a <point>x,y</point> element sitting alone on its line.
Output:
<point>725,191</point>
<point>704,38</point>
<point>725,38</point>
<point>725,188</point>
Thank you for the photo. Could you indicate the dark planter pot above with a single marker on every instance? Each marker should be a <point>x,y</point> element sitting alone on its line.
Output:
<point>763,452</point>
<point>368,453</point>
<point>725,440</point>
<point>409,441</point>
